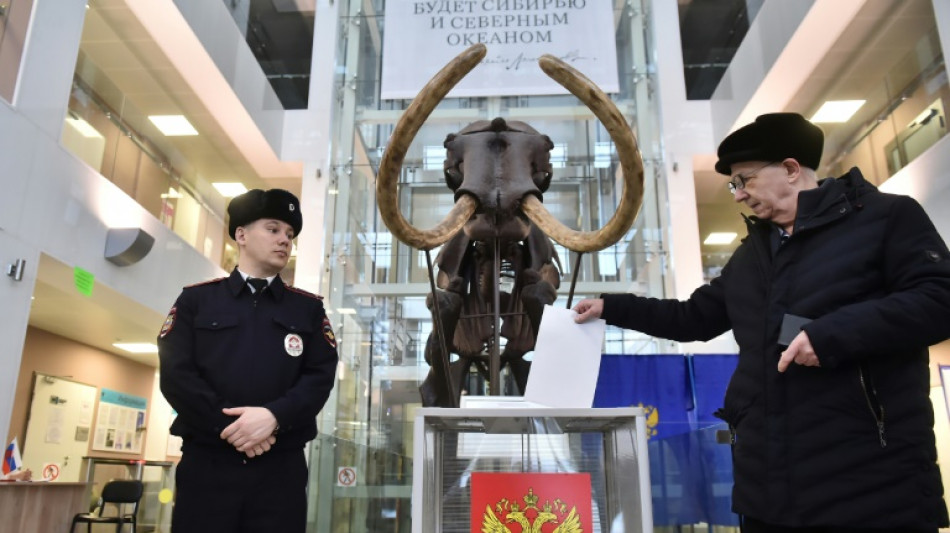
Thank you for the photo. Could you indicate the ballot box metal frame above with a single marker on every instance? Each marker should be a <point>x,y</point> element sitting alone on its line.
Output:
<point>608,444</point>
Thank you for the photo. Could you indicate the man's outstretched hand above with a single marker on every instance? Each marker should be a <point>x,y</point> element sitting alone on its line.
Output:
<point>587,309</point>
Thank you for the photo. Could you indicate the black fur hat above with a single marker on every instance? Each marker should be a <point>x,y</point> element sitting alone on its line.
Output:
<point>772,137</point>
<point>256,204</point>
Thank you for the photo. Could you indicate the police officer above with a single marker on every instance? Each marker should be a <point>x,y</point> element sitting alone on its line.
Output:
<point>247,362</point>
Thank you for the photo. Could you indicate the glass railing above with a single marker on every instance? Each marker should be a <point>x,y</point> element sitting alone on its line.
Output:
<point>100,136</point>
<point>354,487</point>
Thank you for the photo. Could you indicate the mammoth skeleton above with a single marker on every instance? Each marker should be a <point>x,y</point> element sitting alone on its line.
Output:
<point>497,228</point>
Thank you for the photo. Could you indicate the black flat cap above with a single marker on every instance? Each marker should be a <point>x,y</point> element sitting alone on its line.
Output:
<point>256,204</point>
<point>772,137</point>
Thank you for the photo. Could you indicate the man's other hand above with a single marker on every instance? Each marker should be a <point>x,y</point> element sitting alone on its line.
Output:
<point>800,352</point>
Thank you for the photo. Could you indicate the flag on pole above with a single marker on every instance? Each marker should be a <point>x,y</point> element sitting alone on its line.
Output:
<point>11,458</point>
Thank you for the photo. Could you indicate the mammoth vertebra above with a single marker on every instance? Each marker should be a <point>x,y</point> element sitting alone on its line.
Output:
<point>498,171</point>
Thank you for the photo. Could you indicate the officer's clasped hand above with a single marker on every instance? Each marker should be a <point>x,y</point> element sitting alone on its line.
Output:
<point>253,432</point>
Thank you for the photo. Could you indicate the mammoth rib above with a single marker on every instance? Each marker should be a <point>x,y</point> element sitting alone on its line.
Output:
<point>405,131</point>
<point>631,165</point>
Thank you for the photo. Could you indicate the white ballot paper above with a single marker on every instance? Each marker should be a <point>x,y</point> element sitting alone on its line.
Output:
<point>566,360</point>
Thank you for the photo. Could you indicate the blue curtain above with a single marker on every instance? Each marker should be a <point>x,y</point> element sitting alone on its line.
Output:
<point>691,475</point>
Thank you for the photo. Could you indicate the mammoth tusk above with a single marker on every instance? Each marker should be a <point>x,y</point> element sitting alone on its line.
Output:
<point>631,165</point>
<point>405,131</point>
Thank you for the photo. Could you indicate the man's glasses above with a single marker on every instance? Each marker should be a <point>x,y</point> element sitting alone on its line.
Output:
<point>737,182</point>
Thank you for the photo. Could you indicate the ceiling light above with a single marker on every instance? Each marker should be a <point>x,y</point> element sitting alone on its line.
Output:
<point>837,110</point>
<point>84,128</point>
<point>173,125</point>
<point>720,237</point>
<point>137,347</point>
<point>230,189</point>
<point>346,310</point>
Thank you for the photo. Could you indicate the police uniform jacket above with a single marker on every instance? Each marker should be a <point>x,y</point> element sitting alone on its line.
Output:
<point>222,346</point>
<point>849,443</point>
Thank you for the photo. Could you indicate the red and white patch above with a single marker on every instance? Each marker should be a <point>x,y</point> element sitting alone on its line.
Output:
<point>328,332</point>
<point>293,344</point>
<point>169,323</point>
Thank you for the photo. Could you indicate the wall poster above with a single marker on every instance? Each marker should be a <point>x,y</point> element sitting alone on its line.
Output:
<point>120,422</point>
<point>516,33</point>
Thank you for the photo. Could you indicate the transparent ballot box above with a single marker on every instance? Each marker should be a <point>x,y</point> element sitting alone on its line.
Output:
<point>520,468</point>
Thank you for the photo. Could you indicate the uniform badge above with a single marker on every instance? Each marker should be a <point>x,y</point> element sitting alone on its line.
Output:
<point>293,344</point>
<point>328,332</point>
<point>169,323</point>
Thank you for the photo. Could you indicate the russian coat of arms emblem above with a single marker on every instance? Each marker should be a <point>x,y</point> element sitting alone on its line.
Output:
<point>531,503</point>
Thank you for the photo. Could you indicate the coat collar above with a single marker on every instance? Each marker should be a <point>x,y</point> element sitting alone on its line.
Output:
<point>834,198</point>
<point>236,284</point>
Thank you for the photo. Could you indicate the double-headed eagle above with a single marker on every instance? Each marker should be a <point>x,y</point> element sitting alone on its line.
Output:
<point>492,524</point>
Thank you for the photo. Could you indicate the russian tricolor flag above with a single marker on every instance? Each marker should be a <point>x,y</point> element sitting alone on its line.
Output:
<point>11,458</point>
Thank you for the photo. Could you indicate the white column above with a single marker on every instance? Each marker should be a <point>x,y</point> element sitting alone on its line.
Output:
<point>686,132</point>
<point>308,137</point>
<point>14,317</point>
<point>49,60</point>
<point>942,17</point>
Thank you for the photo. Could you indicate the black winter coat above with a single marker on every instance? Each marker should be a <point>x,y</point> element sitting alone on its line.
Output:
<point>849,443</point>
<point>222,347</point>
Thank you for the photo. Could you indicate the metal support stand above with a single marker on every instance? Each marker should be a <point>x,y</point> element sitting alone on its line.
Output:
<point>444,351</point>
<point>577,269</point>
<point>494,365</point>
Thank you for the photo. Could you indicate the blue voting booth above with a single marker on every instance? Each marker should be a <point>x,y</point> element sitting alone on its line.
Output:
<point>691,475</point>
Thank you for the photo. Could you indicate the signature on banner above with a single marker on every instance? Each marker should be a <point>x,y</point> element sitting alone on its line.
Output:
<point>515,62</point>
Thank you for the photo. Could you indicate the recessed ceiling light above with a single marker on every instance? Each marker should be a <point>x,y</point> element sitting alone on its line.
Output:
<point>346,310</point>
<point>137,347</point>
<point>720,237</point>
<point>837,111</point>
<point>173,125</point>
<point>230,189</point>
<point>84,128</point>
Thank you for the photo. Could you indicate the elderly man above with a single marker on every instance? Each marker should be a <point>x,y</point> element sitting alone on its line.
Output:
<point>833,298</point>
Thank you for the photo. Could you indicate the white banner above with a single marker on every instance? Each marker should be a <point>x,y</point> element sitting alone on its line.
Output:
<point>420,37</point>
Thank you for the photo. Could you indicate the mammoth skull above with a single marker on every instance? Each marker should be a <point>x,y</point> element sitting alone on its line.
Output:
<point>530,204</point>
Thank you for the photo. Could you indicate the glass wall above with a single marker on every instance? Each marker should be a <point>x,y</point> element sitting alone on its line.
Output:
<point>376,286</point>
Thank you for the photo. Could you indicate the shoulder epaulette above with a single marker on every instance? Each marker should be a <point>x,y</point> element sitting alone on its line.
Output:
<point>301,291</point>
<point>208,282</point>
